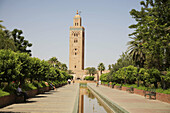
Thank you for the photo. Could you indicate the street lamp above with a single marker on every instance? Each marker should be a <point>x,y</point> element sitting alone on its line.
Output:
<point>137,75</point>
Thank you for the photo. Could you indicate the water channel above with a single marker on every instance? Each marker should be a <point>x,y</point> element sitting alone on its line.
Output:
<point>89,103</point>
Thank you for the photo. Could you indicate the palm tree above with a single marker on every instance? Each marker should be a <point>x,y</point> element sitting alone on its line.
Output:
<point>1,26</point>
<point>137,51</point>
<point>138,55</point>
<point>109,67</point>
<point>91,71</point>
<point>101,67</point>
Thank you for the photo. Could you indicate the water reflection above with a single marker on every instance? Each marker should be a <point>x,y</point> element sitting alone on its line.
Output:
<point>90,103</point>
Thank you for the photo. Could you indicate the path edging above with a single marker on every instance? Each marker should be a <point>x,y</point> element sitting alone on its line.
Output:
<point>76,104</point>
<point>113,106</point>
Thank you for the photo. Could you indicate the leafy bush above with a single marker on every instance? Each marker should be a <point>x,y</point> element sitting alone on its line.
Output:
<point>91,78</point>
<point>11,88</point>
<point>3,93</point>
<point>28,86</point>
<point>118,84</point>
<point>163,91</point>
<point>37,84</point>
<point>103,77</point>
<point>44,84</point>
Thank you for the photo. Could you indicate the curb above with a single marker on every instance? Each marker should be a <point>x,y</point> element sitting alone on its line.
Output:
<point>112,106</point>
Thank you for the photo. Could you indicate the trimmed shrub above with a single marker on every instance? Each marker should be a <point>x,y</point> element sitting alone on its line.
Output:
<point>3,93</point>
<point>91,78</point>
<point>28,86</point>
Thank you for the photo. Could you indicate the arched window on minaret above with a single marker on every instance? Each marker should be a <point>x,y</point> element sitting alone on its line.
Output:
<point>75,40</point>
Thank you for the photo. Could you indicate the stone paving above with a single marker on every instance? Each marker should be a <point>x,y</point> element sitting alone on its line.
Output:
<point>132,103</point>
<point>60,100</point>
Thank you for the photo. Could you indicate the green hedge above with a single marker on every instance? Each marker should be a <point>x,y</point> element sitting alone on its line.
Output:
<point>28,86</point>
<point>91,78</point>
<point>3,93</point>
<point>159,90</point>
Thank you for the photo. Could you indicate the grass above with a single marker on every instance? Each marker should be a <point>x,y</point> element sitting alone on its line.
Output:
<point>3,93</point>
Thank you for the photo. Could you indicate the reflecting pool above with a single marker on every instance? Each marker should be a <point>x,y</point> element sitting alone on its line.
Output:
<point>89,103</point>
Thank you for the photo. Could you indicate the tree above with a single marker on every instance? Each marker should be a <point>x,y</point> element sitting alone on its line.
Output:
<point>103,77</point>
<point>6,41</point>
<point>137,51</point>
<point>25,61</point>
<point>101,67</point>
<point>166,80</point>
<point>70,72</point>
<point>124,61</point>
<point>20,43</point>
<point>1,29</point>
<point>53,61</point>
<point>153,77</point>
<point>64,67</point>
<point>10,66</point>
<point>91,71</point>
<point>109,67</point>
<point>152,29</point>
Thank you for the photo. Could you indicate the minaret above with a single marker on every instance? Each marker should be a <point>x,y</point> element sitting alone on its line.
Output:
<point>76,47</point>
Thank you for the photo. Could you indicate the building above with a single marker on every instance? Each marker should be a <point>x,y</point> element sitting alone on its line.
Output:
<point>76,47</point>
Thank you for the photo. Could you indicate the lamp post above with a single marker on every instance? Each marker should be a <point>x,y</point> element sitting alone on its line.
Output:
<point>137,75</point>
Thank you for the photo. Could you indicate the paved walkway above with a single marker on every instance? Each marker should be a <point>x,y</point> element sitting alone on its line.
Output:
<point>60,100</point>
<point>131,102</point>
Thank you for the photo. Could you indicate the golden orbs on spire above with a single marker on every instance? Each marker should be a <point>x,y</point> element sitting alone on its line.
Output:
<point>77,12</point>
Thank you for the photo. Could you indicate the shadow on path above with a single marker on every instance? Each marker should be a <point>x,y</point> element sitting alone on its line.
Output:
<point>28,101</point>
<point>39,96</point>
<point>11,112</point>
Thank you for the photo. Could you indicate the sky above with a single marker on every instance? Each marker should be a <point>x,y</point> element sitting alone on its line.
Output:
<point>45,23</point>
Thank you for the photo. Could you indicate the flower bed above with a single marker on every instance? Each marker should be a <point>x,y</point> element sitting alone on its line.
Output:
<point>159,96</point>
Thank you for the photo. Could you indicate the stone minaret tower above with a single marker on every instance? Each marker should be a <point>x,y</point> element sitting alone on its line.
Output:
<point>76,48</point>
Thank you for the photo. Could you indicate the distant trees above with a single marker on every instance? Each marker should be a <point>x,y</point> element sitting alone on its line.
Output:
<point>109,67</point>
<point>55,63</point>
<point>101,67</point>
<point>91,71</point>
<point>124,61</point>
